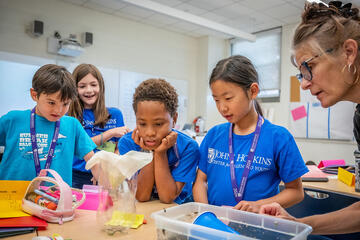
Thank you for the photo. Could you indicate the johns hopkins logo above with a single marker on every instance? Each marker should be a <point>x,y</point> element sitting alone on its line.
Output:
<point>211,155</point>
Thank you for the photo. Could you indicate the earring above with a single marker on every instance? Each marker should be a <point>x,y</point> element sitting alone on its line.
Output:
<point>343,69</point>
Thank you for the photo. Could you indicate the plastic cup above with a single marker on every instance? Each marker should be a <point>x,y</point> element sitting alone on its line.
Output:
<point>209,219</point>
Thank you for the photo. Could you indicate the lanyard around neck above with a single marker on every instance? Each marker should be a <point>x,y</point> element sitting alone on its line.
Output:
<point>34,143</point>
<point>238,192</point>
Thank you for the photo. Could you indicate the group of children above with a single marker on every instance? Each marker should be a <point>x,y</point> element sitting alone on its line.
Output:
<point>239,163</point>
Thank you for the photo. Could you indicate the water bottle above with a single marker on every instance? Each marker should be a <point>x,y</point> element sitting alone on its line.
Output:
<point>357,170</point>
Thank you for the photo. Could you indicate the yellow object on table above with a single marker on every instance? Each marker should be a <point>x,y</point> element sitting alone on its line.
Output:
<point>11,195</point>
<point>125,219</point>
<point>346,177</point>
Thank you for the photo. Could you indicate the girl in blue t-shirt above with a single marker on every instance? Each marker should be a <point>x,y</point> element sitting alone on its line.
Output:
<point>104,125</point>
<point>243,161</point>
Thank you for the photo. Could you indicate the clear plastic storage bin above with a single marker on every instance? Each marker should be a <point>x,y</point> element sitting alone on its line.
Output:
<point>177,223</point>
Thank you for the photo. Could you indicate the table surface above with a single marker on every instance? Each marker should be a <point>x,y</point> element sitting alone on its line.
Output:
<point>333,185</point>
<point>84,226</point>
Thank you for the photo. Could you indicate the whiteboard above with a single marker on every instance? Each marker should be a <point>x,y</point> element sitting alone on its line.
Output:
<point>334,122</point>
<point>16,72</point>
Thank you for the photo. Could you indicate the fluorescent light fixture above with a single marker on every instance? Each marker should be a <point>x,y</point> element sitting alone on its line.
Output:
<point>172,12</point>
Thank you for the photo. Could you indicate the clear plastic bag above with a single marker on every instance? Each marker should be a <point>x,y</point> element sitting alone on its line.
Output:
<point>117,210</point>
<point>117,180</point>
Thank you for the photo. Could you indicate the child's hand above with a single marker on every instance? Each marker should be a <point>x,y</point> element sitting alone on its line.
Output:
<point>95,171</point>
<point>119,131</point>
<point>139,140</point>
<point>167,142</point>
<point>248,206</point>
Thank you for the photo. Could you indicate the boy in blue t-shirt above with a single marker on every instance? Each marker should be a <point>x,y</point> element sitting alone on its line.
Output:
<point>173,168</point>
<point>43,137</point>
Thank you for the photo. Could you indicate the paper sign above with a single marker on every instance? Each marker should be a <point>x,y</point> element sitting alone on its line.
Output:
<point>298,113</point>
<point>346,177</point>
<point>11,195</point>
<point>328,163</point>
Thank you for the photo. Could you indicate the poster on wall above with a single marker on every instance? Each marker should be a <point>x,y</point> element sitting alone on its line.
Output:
<point>308,119</point>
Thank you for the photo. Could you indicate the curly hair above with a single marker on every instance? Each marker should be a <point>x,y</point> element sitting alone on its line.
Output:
<point>157,90</point>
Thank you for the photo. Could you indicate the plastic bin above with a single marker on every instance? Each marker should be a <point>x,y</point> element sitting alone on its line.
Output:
<point>176,223</point>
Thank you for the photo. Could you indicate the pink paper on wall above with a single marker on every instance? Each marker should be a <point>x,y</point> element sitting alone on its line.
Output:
<point>298,113</point>
<point>327,163</point>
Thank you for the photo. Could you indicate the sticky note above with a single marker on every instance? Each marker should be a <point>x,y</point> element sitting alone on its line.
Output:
<point>132,220</point>
<point>298,113</point>
<point>346,177</point>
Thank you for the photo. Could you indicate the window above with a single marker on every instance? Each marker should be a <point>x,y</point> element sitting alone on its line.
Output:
<point>264,53</point>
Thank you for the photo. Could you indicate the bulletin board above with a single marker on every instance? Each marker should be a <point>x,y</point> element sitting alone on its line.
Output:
<point>308,119</point>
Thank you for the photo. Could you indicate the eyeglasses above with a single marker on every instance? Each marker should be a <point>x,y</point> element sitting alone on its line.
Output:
<point>305,70</point>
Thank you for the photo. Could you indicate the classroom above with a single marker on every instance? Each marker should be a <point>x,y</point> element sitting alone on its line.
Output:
<point>180,41</point>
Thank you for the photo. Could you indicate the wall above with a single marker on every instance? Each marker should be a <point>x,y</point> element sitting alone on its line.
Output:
<point>132,46</point>
<point>118,43</point>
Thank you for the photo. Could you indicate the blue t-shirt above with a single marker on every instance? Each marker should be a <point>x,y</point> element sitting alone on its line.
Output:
<point>18,162</point>
<point>116,120</point>
<point>185,171</point>
<point>276,159</point>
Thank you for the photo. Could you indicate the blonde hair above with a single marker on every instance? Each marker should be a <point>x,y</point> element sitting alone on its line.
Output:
<point>328,26</point>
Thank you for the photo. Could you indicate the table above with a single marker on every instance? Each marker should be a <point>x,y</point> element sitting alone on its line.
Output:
<point>84,226</point>
<point>333,185</point>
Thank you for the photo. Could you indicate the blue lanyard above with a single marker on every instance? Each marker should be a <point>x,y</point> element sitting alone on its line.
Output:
<point>34,143</point>
<point>238,192</point>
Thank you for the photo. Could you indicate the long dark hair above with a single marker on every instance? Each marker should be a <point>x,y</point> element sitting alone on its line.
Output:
<point>239,70</point>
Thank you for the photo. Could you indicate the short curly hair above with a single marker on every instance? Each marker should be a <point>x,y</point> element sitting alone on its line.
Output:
<point>156,89</point>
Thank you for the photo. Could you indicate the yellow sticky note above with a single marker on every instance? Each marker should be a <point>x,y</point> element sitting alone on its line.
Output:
<point>11,195</point>
<point>346,177</point>
<point>125,219</point>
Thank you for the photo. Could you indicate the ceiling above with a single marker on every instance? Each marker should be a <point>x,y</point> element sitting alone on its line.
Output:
<point>244,15</point>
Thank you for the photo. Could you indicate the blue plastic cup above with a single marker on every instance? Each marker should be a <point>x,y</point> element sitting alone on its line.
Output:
<point>209,219</point>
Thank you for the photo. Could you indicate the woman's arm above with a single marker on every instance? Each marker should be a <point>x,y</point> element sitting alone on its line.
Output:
<point>200,187</point>
<point>346,220</point>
